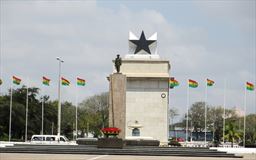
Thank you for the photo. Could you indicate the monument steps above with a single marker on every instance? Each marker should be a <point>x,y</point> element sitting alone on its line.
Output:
<point>143,151</point>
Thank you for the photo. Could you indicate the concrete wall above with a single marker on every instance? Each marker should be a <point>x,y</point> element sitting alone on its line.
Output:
<point>145,67</point>
<point>146,104</point>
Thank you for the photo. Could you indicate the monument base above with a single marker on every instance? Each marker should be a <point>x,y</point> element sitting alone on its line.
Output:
<point>141,142</point>
<point>110,143</point>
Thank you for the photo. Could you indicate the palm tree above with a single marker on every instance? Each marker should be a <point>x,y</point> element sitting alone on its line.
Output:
<point>231,134</point>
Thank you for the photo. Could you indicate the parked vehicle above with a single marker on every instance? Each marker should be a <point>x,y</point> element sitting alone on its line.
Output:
<point>48,139</point>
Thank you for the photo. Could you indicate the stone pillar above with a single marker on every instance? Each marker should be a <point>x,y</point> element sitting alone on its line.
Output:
<point>117,102</point>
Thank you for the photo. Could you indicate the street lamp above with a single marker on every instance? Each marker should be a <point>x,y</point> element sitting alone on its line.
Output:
<point>59,101</point>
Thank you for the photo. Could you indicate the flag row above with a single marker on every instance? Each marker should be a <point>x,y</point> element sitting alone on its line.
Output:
<point>194,84</point>
<point>46,81</point>
<point>172,82</point>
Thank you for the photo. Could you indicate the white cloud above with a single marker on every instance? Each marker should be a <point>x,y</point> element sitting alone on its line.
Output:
<point>239,13</point>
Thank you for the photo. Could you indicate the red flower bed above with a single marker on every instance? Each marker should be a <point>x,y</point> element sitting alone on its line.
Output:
<point>111,131</point>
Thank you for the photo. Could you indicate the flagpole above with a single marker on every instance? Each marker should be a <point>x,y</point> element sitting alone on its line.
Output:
<point>214,120</point>
<point>205,112</point>
<point>10,118</point>
<point>26,126</point>
<point>42,130</point>
<point>187,113</point>
<point>224,108</point>
<point>76,108</point>
<point>244,115</point>
<point>174,93</point>
<point>59,100</point>
<point>173,127</point>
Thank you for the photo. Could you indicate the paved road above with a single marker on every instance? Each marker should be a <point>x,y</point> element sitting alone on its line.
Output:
<point>19,156</point>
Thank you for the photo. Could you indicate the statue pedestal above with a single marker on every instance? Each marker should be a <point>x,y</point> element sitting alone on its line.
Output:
<point>110,143</point>
<point>117,102</point>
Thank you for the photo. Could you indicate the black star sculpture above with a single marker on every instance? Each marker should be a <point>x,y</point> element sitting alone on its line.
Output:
<point>142,43</point>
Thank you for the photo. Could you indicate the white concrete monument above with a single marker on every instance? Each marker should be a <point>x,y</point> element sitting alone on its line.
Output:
<point>147,91</point>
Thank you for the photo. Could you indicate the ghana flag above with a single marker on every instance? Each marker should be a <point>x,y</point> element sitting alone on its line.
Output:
<point>46,81</point>
<point>249,86</point>
<point>80,81</point>
<point>192,83</point>
<point>210,82</point>
<point>16,80</point>
<point>64,82</point>
<point>173,82</point>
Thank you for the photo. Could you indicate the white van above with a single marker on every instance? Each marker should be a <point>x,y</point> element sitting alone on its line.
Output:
<point>48,139</point>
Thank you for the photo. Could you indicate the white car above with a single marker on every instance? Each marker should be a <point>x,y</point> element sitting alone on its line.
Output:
<point>49,139</point>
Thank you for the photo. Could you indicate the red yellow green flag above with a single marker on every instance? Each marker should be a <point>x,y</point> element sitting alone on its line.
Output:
<point>46,81</point>
<point>64,82</point>
<point>16,80</point>
<point>192,83</point>
<point>249,86</point>
<point>80,81</point>
<point>173,82</point>
<point>210,82</point>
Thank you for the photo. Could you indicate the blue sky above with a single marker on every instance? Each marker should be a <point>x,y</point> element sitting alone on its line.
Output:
<point>202,39</point>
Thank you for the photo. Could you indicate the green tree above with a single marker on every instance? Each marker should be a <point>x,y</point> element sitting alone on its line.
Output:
<point>93,114</point>
<point>251,129</point>
<point>214,120</point>
<point>18,113</point>
<point>68,119</point>
<point>196,115</point>
<point>34,114</point>
<point>231,133</point>
<point>50,116</point>
<point>4,116</point>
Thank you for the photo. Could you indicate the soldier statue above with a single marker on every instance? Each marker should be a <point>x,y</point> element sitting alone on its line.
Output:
<point>118,63</point>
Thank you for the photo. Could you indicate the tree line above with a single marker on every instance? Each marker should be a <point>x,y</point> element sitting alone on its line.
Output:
<point>234,125</point>
<point>92,115</point>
